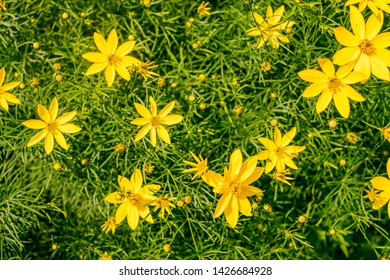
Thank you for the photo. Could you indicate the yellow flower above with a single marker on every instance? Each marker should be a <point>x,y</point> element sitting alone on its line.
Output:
<point>133,199</point>
<point>374,5</point>
<point>269,28</point>
<point>200,167</point>
<point>111,57</point>
<point>282,176</point>
<point>154,122</point>
<point>144,69</point>
<point>2,6</point>
<point>4,95</point>
<point>332,85</point>
<point>386,133</point>
<point>109,225</point>
<point>365,49</point>
<point>105,257</point>
<point>265,66</point>
<point>52,127</point>
<point>235,187</point>
<point>203,9</point>
<point>352,137</point>
<point>163,203</point>
<point>381,184</point>
<point>278,153</point>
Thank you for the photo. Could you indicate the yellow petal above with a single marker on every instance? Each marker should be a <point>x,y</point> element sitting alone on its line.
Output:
<point>4,104</point>
<point>381,183</point>
<point>346,38</point>
<point>263,155</point>
<point>213,179</point>
<point>110,75</point>
<point>95,57</point>
<point>11,98</point>
<point>363,65</point>
<point>96,68</point>
<point>268,144</point>
<point>60,139</point>
<point>379,69</point>
<point>357,22</point>
<point>277,137</point>
<point>269,13</point>
<point>288,161</point>
<point>293,150</point>
<point>2,76</point>
<point>171,119</point>
<point>223,202</point>
<point>323,101</point>
<point>167,109</point>
<point>125,48</point>
<point>388,167</point>
<point>382,40</point>
<point>142,132</point>
<point>49,143</point>
<point>121,212</point>
<point>10,86</point>
<point>235,163</point>
<point>314,89</point>
<point>231,212</point>
<point>153,106</point>
<point>140,121</point>
<point>258,18</point>
<point>144,212</point>
<point>247,168</point>
<point>244,206</point>
<point>373,7</point>
<point>351,93</point>
<point>37,138</point>
<point>288,137</point>
<point>153,139</point>
<point>53,110</point>
<point>136,180</point>
<point>250,190</point>
<point>125,184</point>
<point>374,25</point>
<point>346,55</point>
<point>141,109</point>
<point>163,134</point>
<point>112,42</point>
<point>271,164</point>
<point>313,76</point>
<point>342,104</point>
<point>122,71</point>
<point>353,78</point>
<point>129,60</point>
<point>66,117</point>
<point>260,43</point>
<point>113,197</point>
<point>383,6</point>
<point>256,174</point>
<point>327,67</point>
<point>101,43</point>
<point>277,15</point>
<point>345,70</point>
<point>68,128</point>
<point>35,124</point>
<point>254,31</point>
<point>384,56</point>
<point>43,113</point>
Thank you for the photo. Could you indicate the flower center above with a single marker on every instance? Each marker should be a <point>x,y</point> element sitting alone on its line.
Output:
<point>235,187</point>
<point>202,166</point>
<point>51,127</point>
<point>280,151</point>
<point>132,197</point>
<point>367,47</point>
<point>334,84</point>
<point>155,121</point>
<point>114,60</point>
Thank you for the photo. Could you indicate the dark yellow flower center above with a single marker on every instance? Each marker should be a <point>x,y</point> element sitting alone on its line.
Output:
<point>114,60</point>
<point>52,127</point>
<point>235,187</point>
<point>334,84</point>
<point>367,47</point>
<point>132,197</point>
<point>155,121</point>
<point>280,151</point>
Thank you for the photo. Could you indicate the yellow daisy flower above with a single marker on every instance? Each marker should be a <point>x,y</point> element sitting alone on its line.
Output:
<point>110,225</point>
<point>154,122</point>
<point>373,5</point>
<point>203,10</point>
<point>144,69</point>
<point>111,57</point>
<point>332,85</point>
<point>52,127</point>
<point>235,187</point>
<point>381,184</point>
<point>200,167</point>
<point>6,97</point>
<point>268,29</point>
<point>164,203</point>
<point>133,199</point>
<point>366,49</point>
<point>278,153</point>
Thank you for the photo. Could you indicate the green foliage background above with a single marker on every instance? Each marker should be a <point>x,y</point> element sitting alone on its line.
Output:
<point>40,207</point>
